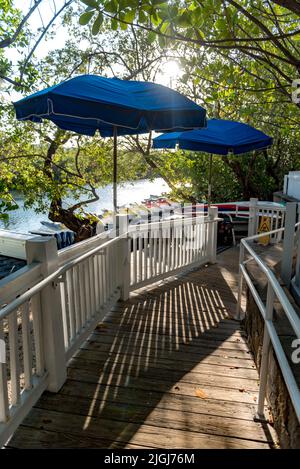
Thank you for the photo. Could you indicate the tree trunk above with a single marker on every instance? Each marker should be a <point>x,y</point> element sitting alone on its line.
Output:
<point>83,229</point>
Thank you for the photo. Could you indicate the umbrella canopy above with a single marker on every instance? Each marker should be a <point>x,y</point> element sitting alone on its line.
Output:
<point>220,137</point>
<point>88,103</point>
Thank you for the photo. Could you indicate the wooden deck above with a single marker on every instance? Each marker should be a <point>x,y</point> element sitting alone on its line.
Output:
<point>167,369</point>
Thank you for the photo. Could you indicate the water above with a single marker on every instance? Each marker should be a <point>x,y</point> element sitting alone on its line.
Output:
<point>24,220</point>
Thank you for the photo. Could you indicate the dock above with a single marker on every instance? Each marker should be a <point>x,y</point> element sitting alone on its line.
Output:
<point>168,368</point>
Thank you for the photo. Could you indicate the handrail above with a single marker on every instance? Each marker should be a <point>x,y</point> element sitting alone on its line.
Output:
<point>50,278</point>
<point>278,290</point>
<point>70,264</point>
<point>64,307</point>
<point>266,310</point>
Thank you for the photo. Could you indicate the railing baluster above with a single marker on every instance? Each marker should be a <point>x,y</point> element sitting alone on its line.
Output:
<point>265,355</point>
<point>27,347</point>
<point>160,250</point>
<point>78,321</point>
<point>150,253</point>
<point>92,280</point>
<point>198,227</point>
<point>100,276</point>
<point>140,256</point>
<point>70,295</point>
<point>82,294</point>
<point>176,247</point>
<point>105,275</point>
<point>172,248</point>
<point>65,312</point>
<point>14,358</point>
<point>98,289</point>
<point>4,410</point>
<point>190,243</point>
<point>87,289</point>
<point>38,334</point>
<point>133,260</point>
<point>146,250</point>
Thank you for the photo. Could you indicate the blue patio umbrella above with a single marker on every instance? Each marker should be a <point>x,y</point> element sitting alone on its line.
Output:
<point>220,137</point>
<point>88,103</point>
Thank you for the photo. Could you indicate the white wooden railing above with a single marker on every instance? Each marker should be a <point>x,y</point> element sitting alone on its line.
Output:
<point>51,306</point>
<point>164,248</point>
<point>275,293</point>
<point>273,212</point>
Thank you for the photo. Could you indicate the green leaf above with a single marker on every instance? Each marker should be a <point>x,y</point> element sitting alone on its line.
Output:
<point>142,17</point>
<point>91,3</point>
<point>112,6</point>
<point>129,16</point>
<point>97,25</point>
<point>161,41</point>
<point>114,24</point>
<point>86,17</point>
<point>123,26</point>
<point>151,37</point>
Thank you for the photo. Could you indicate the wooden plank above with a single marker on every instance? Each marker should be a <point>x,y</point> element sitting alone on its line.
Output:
<point>213,336</point>
<point>86,359</point>
<point>211,386</point>
<point>36,438</point>
<point>155,373</point>
<point>164,318</point>
<point>158,399</point>
<point>224,326</point>
<point>183,419</point>
<point>151,344</point>
<point>214,358</point>
<point>139,434</point>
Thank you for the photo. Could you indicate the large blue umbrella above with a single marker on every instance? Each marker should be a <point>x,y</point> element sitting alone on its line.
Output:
<point>88,103</point>
<point>220,137</point>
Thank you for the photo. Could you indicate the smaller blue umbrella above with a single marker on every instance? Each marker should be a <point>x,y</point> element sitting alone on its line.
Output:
<point>220,137</point>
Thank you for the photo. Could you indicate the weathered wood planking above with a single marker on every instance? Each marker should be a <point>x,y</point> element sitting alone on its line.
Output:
<point>169,368</point>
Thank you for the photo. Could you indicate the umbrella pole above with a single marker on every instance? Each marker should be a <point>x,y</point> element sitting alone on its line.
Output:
<point>115,169</point>
<point>209,179</point>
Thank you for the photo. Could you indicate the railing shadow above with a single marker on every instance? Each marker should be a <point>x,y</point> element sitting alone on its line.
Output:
<point>140,365</point>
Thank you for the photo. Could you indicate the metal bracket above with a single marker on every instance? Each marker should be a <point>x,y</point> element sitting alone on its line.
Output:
<point>260,418</point>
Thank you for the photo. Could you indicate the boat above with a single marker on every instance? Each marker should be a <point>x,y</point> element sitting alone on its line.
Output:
<point>64,237</point>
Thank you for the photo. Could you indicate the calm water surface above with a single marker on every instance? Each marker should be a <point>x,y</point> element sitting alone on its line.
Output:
<point>24,220</point>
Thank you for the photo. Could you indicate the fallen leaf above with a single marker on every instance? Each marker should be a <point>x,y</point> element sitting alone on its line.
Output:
<point>200,393</point>
<point>102,326</point>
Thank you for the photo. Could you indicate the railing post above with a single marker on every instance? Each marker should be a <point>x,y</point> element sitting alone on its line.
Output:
<point>252,217</point>
<point>240,286</point>
<point>264,364</point>
<point>121,221</point>
<point>285,184</point>
<point>44,250</point>
<point>288,243</point>
<point>212,233</point>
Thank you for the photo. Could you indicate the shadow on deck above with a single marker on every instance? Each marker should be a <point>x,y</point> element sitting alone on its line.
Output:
<point>167,369</point>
